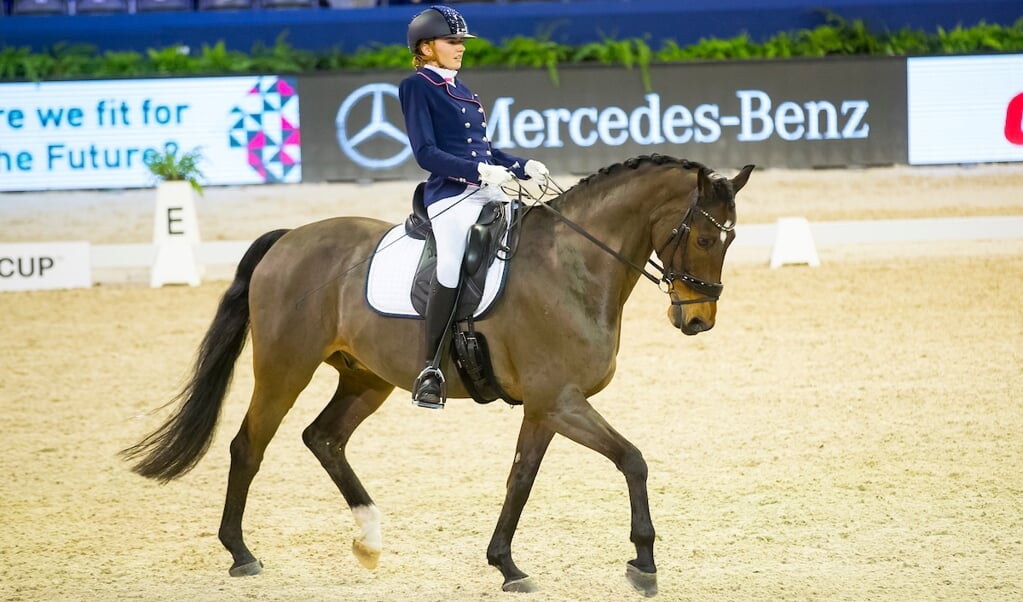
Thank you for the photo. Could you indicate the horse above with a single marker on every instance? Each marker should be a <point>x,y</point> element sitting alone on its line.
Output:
<point>553,339</point>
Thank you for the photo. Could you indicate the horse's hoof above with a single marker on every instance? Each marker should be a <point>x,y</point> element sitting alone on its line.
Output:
<point>247,570</point>
<point>367,556</point>
<point>525,585</point>
<point>644,583</point>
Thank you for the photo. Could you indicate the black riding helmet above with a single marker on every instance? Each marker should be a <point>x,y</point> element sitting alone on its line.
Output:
<point>436,22</point>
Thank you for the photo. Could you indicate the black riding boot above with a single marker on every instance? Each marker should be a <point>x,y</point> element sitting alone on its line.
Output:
<point>428,391</point>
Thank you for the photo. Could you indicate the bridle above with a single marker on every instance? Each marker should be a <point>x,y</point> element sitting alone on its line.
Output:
<point>711,291</point>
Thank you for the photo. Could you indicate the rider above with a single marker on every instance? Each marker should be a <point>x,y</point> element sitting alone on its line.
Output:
<point>447,129</point>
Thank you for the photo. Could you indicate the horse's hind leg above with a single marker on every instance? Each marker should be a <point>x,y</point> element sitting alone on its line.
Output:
<point>271,400</point>
<point>358,395</point>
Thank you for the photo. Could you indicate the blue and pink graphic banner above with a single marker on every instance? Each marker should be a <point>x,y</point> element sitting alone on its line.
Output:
<point>91,135</point>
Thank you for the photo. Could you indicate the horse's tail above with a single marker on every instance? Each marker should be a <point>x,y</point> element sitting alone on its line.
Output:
<point>177,446</point>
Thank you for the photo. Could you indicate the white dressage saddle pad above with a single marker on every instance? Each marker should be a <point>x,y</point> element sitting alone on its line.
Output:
<point>392,270</point>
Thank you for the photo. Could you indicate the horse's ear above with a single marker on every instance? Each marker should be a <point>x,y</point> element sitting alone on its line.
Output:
<point>740,180</point>
<point>703,184</point>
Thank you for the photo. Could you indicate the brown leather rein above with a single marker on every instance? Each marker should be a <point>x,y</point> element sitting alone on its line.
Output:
<point>711,291</point>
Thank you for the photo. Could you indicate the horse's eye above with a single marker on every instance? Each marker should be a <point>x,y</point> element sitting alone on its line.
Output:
<point>704,242</point>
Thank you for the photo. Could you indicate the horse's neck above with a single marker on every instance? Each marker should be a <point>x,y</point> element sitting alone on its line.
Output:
<point>619,215</point>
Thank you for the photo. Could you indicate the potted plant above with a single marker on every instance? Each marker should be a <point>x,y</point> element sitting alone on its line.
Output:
<point>169,167</point>
<point>175,225</point>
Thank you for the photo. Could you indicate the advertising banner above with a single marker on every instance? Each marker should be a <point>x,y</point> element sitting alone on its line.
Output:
<point>44,265</point>
<point>68,135</point>
<point>793,113</point>
<point>965,109</point>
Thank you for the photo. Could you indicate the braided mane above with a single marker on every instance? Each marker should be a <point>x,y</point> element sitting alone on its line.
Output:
<point>632,163</point>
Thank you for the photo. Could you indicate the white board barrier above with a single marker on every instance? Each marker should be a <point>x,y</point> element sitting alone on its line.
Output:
<point>44,265</point>
<point>175,236</point>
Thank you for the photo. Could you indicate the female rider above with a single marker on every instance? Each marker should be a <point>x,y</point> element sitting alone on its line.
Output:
<point>447,129</point>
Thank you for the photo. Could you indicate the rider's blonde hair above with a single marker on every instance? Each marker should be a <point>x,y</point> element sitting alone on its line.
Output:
<point>418,59</point>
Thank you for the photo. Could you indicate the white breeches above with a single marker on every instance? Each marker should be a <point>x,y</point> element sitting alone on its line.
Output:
<point>451,218</point>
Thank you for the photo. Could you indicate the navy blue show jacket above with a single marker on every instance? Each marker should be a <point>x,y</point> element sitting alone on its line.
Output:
<point>447,127</point>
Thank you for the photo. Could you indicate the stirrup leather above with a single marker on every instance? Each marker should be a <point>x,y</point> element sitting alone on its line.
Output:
<point>436,374</point>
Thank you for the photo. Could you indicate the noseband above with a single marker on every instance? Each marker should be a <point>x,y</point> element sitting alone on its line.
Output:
<point>711,291</point>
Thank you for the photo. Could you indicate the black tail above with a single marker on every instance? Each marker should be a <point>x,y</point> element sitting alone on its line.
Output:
<point>177,446</point>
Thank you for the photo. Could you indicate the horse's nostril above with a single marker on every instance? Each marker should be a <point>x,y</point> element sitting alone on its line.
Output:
<point>696,325</point>
<point>675,315</point>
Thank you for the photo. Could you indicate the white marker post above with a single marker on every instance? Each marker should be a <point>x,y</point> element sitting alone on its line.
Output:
<point>175,236</point>
<point>793,243</point>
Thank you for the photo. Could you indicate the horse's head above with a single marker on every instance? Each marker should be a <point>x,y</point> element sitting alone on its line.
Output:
<point>693,249</point>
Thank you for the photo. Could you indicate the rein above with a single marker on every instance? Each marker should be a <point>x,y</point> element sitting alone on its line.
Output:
<point>609,250</point>
<point>711,291</point>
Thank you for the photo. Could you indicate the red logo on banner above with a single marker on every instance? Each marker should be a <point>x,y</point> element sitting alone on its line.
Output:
<point>1014,120</point>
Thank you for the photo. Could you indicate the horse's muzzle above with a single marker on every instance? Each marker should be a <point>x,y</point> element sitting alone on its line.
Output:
<point>691,325</point>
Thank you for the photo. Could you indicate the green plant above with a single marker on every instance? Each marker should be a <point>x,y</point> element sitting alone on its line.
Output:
<point>118,64</point>
<point>835,37</point>
<point>170,60</point>
<point>169,166</point>
<point>22,63</point>
<point>518,51</point>
<point>389,57</point>
<point>611,51</point>
<point>282,57</point>
<point>218,59</point>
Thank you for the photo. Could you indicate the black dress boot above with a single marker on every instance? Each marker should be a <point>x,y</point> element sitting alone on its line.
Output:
<point>428,391</point>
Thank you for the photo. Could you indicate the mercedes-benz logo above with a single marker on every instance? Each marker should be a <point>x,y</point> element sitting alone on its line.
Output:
<point>377,126</point>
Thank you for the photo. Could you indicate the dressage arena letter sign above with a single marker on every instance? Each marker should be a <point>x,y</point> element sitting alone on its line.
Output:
<point>175,236</point>
<point>44,265</point>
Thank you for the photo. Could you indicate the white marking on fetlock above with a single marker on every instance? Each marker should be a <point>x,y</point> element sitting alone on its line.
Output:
<point>368,544</point>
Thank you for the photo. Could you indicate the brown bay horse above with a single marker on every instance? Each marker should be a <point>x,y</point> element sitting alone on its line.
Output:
<point>553,337</point>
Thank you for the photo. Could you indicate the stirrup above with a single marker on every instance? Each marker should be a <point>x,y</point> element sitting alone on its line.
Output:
<point>435,373</point>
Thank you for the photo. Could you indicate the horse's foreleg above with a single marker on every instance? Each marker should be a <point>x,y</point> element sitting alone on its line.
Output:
<point>529,451</point>
<point>575,418</point>
<point>358,395</point>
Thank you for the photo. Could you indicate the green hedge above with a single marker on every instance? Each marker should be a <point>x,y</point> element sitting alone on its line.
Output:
<point>838,37</point>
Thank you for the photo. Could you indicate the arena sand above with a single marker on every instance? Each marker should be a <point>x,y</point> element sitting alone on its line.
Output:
<point>847,432</point>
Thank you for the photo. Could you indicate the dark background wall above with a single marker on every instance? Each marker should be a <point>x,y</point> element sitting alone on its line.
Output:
<point>575,22</point>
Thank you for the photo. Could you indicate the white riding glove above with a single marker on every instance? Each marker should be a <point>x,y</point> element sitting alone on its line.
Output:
<point>494,175</point>
<point>537,171</point>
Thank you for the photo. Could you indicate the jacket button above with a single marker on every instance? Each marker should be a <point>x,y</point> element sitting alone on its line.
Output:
<point>473,153</point>
<point>463,109</point>
<point>468,140</point>
<point>484,124</point>
<point>467,124</point>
